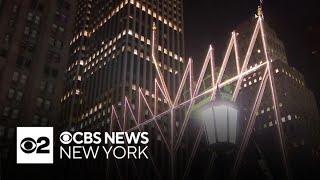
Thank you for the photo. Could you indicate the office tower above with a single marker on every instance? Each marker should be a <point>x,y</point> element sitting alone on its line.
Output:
<point>110,57</point>
<point>298,108</point>
<point>34,37</point>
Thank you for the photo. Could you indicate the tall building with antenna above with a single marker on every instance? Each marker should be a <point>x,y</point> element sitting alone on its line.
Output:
<point>110,57</point>
<point>257,43</point>
<point>297,105</point>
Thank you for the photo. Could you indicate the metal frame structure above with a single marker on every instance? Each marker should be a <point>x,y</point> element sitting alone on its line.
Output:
<point>174,103</point>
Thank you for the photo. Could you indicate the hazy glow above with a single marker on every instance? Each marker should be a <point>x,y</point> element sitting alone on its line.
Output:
<point>220,123</point>
<point>175,139</point>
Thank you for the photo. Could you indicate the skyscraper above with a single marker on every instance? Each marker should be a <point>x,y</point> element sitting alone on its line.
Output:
<point>298,112</point>
<point>297,105</point>
<point>110,57</point>
<point>34,37</point>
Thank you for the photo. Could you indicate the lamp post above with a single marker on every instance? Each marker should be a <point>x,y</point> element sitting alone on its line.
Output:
<point>221,122</point>
<point>220,118</point>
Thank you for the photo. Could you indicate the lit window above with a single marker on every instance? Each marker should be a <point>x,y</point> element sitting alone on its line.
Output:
<point>134,87</point>
<point>270,124</point>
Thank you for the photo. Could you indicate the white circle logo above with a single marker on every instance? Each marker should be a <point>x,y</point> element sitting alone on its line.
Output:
<point>65,137</point>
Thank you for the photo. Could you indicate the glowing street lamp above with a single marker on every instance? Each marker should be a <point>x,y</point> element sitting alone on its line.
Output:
<point>221,122</point>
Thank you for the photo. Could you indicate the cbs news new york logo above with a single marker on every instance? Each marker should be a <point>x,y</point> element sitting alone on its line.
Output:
<point>34,145</point>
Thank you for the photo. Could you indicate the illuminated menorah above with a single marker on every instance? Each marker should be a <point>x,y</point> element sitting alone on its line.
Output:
<point>174,141</point>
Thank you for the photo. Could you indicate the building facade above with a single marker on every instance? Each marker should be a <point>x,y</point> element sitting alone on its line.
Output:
<point>298,112</point>
<point>34,39</point>
<point>110,57</point>
<point>298,107</point>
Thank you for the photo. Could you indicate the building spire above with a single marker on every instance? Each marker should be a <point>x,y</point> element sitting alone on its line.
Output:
<point>154,27</point>
<point>260,10</point>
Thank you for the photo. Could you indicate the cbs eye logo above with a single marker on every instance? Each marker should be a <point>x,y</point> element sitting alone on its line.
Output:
<point>34,145</point>
<point>29,145</point>
<point>65,137</point>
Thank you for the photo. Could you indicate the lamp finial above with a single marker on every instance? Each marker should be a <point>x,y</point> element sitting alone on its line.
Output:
<point>154,27</point>
<point>260,10</point>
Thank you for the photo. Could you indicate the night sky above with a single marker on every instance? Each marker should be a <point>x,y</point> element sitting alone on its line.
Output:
<point>297,24</point>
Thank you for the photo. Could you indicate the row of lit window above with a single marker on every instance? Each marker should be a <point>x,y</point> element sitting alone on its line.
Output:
<point>154,14</point>
<point>112,47</point>
<point>283,120</point>
<point>78,62</point>
<point>98,107</point>
<point>267,109</point>
<point>135,51</point>
<point>164,66</point>
<point>136,35</point>
<point>116,10</point>
<point>260,78</point>
<point>93,119</point>
<point>102,123</point>
<point>247,79</point>
<point>70,93</point>
<point>92,110</point>
<point>290,75</point>
<point>147,93</point>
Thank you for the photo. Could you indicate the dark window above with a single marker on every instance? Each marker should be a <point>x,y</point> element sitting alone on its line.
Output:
<point>46,70</point>
<point>23,62</point>
<point>54,72</point>
<point>3,52</point>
